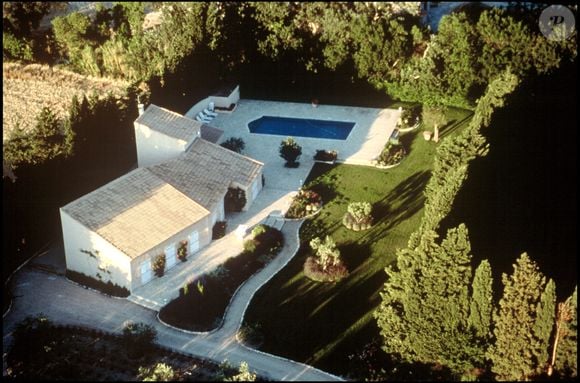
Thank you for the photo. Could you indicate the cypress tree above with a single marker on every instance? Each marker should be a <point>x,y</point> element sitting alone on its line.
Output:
<point>545,315</point>
<point>425,307</point>
<point>481,307</point>
<point>515,352</point>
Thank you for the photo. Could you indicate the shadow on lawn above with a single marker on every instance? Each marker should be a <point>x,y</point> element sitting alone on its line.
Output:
<point>407,196</point>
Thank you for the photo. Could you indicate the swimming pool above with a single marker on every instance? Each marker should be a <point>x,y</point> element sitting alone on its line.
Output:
<point>301,127</point>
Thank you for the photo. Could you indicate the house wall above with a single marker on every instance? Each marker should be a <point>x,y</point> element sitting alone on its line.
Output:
<point>218,212</point>
<point>108,261</point>
<point>202,227</point>
<point>154,147</point>
<point>248,190</point>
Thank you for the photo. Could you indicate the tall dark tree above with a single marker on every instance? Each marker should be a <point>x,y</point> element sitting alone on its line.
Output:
<point>521,322</point>
<point>481,305</point>
<point>425,308</point>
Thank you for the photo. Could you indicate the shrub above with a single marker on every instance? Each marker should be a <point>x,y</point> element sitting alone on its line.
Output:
<point>235,144</point>
<point>358,216</point>
<point>251,334</point>
<point>392,154</point>
<point>327,254</point>
<point>250,246</point>
<point>159,265</point>
<point>108,288</point>
<point>235,200</point>
<point>138,338</point>
<point>314,271</point>
<point>290,151</point>
<point>14,48</point>
<point>325,155</point>
<point>161,372</point>
<point>410,116</point>
<point>304,203</point>
<point>244,374</point>
<point>266,240</point>
<point>218,230</point>
<point>182,251</point>
<point>202,301</point>
<point>259,229</point>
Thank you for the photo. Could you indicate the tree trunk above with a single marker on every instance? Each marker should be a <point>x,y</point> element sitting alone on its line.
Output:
<point>436,133</point>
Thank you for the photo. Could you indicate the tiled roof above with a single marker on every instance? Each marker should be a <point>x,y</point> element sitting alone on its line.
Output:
<point>206,170</point>
<point>136,211</point>
<point>169,123</point>
<point>211,134</point>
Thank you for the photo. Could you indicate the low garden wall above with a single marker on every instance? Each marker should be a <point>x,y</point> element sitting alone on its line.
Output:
<point>219,102</point>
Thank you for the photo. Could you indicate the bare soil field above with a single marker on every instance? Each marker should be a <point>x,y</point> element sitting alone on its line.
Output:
<point>26,89</point>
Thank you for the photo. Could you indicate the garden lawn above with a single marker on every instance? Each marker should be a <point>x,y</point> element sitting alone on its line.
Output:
<point>323,323</point>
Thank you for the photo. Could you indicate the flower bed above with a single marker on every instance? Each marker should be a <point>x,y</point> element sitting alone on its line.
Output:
<point>358,216</point>
<point>391,155</point>
<point>326,156</point>
<point>333,273</point>
<point>304,203</point>
<point>410,118</point>
<point>203,301</point>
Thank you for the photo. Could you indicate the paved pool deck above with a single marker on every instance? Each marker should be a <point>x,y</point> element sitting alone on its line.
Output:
<point>372,129</point>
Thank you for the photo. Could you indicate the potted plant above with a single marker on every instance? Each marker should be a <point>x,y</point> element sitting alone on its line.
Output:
<point>290,151</point>
<point>182,251</point>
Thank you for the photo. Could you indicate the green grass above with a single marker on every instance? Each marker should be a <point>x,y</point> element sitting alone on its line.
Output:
<point>321,324</point>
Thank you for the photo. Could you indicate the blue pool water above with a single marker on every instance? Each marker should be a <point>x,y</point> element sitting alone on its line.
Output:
<point>301,127</point>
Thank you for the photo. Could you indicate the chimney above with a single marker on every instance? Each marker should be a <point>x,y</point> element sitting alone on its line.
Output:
<point>140,106</point>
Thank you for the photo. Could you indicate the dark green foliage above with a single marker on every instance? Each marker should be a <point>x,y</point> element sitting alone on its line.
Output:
<point>71,32</point>
<point>14,48</point>
<point>219,230</point>
<point>49,139</point>
<point>544,325</point>
<point>138,338</point>
<point>201,309</point>
<point>463,57</point>
<point>235,200</point>
<point>108,288</point>
<point>290,151</point>
<point>424,313</point>
<point>481,305</point>
<point>235,144</point>
<point>520,325</point>
<point>22,17</point>
<point>454,155</point>
<point>29,335</point>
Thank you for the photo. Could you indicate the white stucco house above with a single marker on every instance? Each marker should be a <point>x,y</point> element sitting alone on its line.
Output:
<point>174,196</point>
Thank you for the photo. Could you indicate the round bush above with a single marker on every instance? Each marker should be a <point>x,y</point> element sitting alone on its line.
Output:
<point>333,273</point>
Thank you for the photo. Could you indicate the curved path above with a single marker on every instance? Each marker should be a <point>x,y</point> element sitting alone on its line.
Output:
<point>65,302</point>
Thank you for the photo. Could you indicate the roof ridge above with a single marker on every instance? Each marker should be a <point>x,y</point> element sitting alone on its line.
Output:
<point>231,151</point>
